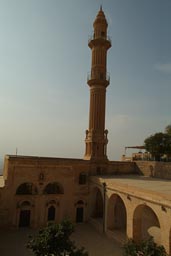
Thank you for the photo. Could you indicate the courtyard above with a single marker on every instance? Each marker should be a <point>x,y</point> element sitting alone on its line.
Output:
<point>12,242</point>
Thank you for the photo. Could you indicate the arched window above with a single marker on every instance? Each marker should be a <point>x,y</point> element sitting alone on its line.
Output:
<point>82,179</point>
<point>51,213</point>
<point>53,188</point>
<point>25,204</point>
<point>80,202</point>
<point>26,189</point>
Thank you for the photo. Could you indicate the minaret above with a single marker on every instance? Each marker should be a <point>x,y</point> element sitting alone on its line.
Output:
<point>98,80</point>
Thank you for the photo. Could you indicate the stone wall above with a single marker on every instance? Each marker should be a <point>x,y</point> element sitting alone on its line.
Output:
<point>154,169</point>
<point>39,172</point>
<point>122,168</point>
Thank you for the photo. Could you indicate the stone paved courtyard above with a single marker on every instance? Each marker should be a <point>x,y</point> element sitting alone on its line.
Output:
<point>12,243</point>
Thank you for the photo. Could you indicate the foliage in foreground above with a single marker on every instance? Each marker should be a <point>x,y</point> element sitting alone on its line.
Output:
<point>54,240</point>
<point>144,248</point>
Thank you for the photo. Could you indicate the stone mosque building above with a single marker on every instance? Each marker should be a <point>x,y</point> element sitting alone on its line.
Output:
<point>121,199</point>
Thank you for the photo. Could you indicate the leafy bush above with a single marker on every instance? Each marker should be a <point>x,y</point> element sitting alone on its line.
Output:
<point>54,240</point>
<point>144,248</point>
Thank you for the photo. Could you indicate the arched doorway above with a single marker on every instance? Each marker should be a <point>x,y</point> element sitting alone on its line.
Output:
<point>51,213</point>
<point>79,214</point>
<point>117,217</point>
<point>97,207</point>
<point>145,224</point>
<point>25,214</point>
<point>80,211</point>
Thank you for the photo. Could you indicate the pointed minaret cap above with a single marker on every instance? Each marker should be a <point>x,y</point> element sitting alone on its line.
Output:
<point>100,18</point>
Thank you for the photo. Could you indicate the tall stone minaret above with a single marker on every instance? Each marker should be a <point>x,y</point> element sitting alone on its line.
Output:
<point>98,80</point>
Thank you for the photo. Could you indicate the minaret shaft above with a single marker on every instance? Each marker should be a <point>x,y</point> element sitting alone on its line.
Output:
<point>97,104</point>
<point>98,80</point>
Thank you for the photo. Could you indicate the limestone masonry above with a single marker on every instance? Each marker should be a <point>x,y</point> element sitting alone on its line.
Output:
<point>121,199</point>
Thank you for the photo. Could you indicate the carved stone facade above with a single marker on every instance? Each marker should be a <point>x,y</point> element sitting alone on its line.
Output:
<point>33,185</point>
<point>44,189</point>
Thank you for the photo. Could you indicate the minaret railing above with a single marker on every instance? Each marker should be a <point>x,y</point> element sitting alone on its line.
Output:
<point>93,75</point>
<point>93,37</point>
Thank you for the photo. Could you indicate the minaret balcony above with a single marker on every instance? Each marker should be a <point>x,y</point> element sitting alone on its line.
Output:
<point>92,37</point>
<point>98,77</point>
<point>94,40</point>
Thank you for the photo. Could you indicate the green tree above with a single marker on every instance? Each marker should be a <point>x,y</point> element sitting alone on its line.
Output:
<point>158,145</point>
<point>54,240</point>
<point>144,248</point>
<point>168,129</point>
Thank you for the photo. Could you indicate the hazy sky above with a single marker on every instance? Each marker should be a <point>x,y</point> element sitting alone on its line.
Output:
<point>44,60</point>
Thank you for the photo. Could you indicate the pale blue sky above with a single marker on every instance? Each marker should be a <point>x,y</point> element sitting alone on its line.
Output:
<point>44,60</point>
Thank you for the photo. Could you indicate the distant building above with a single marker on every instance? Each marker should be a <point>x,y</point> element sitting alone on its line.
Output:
<point>139,156</point>
<point>114,196</point>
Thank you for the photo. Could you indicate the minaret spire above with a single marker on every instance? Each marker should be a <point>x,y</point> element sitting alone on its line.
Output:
<point>98,80</point>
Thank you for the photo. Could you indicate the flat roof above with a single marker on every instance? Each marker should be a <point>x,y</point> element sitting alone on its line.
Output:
<point>43,158</point>
<point>138,185</point>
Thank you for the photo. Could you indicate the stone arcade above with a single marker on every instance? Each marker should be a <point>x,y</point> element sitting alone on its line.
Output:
<point>114,197</point>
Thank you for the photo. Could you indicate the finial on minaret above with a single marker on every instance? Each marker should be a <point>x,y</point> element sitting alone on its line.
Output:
<point>101,8</point>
